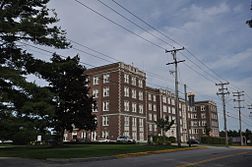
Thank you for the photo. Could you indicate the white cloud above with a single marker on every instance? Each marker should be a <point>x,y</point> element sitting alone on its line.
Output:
<point>213,30</point>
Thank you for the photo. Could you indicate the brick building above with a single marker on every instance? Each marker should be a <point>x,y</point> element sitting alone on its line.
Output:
<point>126,106</point>
<point>204,117</point>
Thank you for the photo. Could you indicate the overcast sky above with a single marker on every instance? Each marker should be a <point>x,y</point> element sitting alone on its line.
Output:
<point>212,31</point>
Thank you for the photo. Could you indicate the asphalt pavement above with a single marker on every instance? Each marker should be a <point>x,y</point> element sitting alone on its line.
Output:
<point>213,156</point>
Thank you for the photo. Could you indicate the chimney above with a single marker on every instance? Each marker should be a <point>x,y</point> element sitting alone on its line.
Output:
<point>191,99</point>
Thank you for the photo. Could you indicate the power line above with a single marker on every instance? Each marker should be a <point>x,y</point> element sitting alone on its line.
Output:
<point>119,25</point>
<point>169,38</point>
<point>134,23</point>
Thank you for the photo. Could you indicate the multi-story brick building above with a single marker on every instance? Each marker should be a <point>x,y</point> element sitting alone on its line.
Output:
<point>204,117</point>
<point>126,106</point>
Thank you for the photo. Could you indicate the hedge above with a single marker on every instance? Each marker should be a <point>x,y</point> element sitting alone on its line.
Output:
<point>161,140</point>
<point>212,140</point>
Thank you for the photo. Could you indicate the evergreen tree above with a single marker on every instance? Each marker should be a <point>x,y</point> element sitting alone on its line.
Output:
<point>24,105</point>
<point>70,87</point>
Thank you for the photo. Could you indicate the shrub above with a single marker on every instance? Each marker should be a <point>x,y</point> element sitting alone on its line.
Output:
<point>212,140</point>
<point>172,139</point>
<point>24,137</point>
<point>161,140</point>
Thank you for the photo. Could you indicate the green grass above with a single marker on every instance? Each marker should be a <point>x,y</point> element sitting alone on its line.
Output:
<point>76,150</point>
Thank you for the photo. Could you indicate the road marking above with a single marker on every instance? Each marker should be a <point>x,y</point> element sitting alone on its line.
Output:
<point>210,159</point>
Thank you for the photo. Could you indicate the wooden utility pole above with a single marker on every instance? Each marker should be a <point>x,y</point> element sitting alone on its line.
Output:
<point>174,52</point>
<point>238,94</point>
<point>224,91</point>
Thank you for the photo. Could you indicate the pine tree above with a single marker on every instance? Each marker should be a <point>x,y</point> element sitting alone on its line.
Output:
<point>71,98</point>
<point>24,105</point>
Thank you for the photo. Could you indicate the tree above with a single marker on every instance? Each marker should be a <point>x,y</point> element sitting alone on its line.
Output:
<point>164,124</point>
<point>249,22</point>
<point>22,104</point>
<point>73,105</point>
<point>207,130</point>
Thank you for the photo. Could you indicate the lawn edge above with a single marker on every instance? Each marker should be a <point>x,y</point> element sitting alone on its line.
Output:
<point>144,153</point>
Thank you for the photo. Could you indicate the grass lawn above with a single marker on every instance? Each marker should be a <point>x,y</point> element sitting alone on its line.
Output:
<point>76,150</point>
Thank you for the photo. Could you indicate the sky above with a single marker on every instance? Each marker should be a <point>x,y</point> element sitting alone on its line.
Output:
<point>217,41</point>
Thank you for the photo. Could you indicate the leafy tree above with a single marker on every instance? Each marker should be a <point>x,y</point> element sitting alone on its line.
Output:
<point>24,104</point>
<point>207,130</point>
<point>164,124</point>
<point>73,105</point>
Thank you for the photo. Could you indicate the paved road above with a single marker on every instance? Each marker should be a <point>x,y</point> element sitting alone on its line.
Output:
<point>213,156</point>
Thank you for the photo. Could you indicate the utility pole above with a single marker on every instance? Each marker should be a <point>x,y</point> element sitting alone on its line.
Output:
<point>224,91</point>
<point>238,94</point>
<point>174,52</point>
<point>187,120</point>
<point>250,108</point>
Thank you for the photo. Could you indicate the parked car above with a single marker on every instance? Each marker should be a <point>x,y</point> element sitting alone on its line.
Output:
<point>125,139</point>
<point>104,140</point>
<point>193,141</point>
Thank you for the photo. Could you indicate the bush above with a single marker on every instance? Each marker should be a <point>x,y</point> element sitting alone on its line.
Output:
<point>161,140</point>
<point>212,140</point>
<point>172,139</point>
<point>24,137</point>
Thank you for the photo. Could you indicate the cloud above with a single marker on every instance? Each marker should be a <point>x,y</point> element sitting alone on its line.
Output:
<point>215,32</point>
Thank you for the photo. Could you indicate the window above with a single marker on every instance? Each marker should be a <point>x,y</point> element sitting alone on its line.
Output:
<point>95,80</point>
<point>126,121</point>
<point>164,108</point>
<point>106,92</point>
<point>105,134</point>
<point>154,107</point>
<point>140,94</point>
<point>172,101</point>
<point>173,110</point>
<point>133,81</point>
<point>95,93</point>
<point>126,78</point>
<point>126,91</point>
<point>154,117</point>
<point>134,135</point>
<point>150,127</point>
<point>134,107</point>
<point>202,108</point>
<point>106,78</point>
<point>150,116</point>
<point>203,123</point>
<point>164,99</point>
<point>105,106</point>
<point>140,83</point>
<point>126,133</point>
<point>154,98</point>
<point>94,108</point>
<point>169,109</point>
<point>149,106</point>
<point>133,93</point>
<point>169,100</point>
<point>155,127</point>
<point>105,121</point>
<point>195,116</point>
<point>141,124</point>
<point>141,136</point>
<point>203,115</point>
<point>140,108</point>
<point>126,106</point>
<point>149,96</point>
<point>134,122</point>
